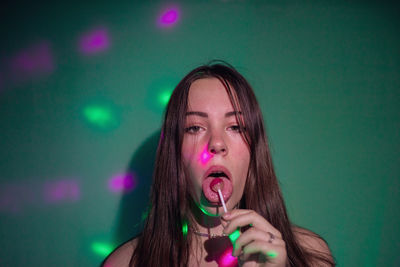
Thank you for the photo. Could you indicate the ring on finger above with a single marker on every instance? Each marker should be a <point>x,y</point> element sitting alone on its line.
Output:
<point>271,237</point>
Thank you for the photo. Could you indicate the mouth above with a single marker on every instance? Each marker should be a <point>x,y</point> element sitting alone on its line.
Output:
<point>224,176</point>
<point>218,172</point>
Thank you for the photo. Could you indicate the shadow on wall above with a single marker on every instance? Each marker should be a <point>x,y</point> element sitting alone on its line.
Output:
<point>133,205</point>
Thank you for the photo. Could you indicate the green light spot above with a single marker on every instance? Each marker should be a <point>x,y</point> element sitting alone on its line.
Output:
<point>102,249</point>
<point>184,228</point>
<point>272,254</point>
<point>234,236</point>
<point>206,212</point>
<point>164,97</point>
<point>144,215</point>
<point>99,116</point>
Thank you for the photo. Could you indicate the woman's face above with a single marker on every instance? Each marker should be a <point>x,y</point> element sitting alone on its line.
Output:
<point>213,146</point>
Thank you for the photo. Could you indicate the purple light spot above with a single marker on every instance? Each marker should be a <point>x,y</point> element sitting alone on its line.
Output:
<point>9,202</point>
<point>205,156</point>
<point>227,260</point>
<point>122,183</point>
<point>94,41</point>
<point>61,191</point>
<point>36,60</point>
<point>169,17</point>
<point>15,198</point>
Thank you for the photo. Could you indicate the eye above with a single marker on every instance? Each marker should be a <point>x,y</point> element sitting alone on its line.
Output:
<point>193,129</point>
<point>237,128</point>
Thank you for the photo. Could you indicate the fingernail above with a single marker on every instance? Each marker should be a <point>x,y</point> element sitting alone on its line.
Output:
<point>226,215</point>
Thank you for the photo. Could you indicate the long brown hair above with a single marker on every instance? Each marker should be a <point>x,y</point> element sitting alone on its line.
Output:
<point>162,242</point>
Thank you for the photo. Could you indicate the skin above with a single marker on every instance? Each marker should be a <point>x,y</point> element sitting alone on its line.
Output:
<point>220,135</point>
<point>211,128</point>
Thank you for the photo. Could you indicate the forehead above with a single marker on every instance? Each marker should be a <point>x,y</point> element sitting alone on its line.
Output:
<point>209,94</point>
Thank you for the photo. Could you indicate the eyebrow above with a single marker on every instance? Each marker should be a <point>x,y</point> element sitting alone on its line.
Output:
<point>205,115</point>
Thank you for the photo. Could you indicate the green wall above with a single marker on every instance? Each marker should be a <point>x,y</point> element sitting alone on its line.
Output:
<point>326,74</point>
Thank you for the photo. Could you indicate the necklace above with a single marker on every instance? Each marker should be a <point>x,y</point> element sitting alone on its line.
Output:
<point>209,235</point>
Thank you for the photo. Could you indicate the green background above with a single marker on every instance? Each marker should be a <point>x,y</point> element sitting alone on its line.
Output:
<point>326,74</point>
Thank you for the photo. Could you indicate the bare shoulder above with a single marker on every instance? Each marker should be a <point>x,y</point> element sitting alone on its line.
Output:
<point>121,256</point>
<point>313,243</point>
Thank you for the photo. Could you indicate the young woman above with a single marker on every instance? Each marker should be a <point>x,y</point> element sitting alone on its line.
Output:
<point>213,151</point>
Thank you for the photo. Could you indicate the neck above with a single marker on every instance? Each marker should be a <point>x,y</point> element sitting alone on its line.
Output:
<point>205,223</point>
<point>211,244</point>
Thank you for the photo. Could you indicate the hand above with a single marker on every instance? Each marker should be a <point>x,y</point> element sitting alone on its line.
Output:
<point>260,245</point>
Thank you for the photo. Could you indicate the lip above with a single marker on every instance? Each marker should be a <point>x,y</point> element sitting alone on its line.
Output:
<point>217,168</point>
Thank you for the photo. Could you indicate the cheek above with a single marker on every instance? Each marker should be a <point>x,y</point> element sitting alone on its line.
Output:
<point>243,163</point>
<point>192,166</point>
<point>204,156</point>
<point>196,154</point>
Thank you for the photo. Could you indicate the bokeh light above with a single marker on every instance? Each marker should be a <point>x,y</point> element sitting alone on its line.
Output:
<point>19,197</point>
<point>185,228</point>
<point>94,41</point>
<point>164,96</point>
<point>206,212</point>
<point>169,17</point>
<point>122,183</point>
<point>205,156</point>
<point>15,198</point>
<point>159,92</point>
<point>144,215</point>
<point>34,61</point>
<point>101,248</point>
<point>234,236</point>
<point>62,191</point>
<point>101,116</point>
<point>272,254</point>
<point>227,260</point>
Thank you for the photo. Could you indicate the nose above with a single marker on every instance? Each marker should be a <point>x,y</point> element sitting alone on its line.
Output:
<point>217,145</point>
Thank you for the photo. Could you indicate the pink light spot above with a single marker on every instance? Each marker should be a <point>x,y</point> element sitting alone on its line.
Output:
<point>227,260</point>
<point>61,191</point>
<point>94,41</point>
<point>18,197</point>
<point>122,183</point>
<point>169,17</point>
<point>36,60</point>
<point>205,156</point>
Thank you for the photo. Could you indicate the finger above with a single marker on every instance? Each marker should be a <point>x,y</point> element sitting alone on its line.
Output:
<point>239,220</point>
<point>269,251</point>
<point>245,238</point>
<point>254,234</point>
<point>224,223</point>
<point>246,217</point>
<point>234,213</point>
<point>240,213</point>
<point>259,257</point>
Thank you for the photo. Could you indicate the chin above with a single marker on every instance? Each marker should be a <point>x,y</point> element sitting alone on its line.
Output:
<point>209,209</point>
<point>212,211</point>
